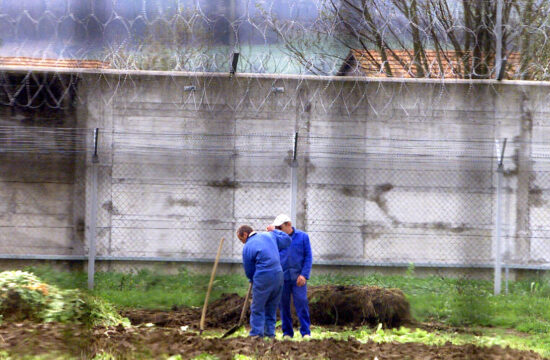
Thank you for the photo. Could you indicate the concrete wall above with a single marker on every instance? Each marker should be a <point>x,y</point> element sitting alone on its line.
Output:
<point>389,171</point>
<point>37,170</point>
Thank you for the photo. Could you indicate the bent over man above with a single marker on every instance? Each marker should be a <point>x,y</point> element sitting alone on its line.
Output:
<point>262,266</point>
<point>296,261</point>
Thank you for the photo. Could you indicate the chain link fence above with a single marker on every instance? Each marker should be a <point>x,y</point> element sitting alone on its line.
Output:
<point>368,201</point>
<point>179,201</point>
<point>403,202</point>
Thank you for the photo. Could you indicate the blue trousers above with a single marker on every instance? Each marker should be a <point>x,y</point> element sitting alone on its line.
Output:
<point>266,296</point>
<point>299,295</point>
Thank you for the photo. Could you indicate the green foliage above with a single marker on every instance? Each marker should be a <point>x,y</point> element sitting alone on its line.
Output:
<point>104,356</point>
<point>456,302</point>
<point>478,336</point>
<point>61,279</point>
<point>242,357</point>
<point>453,301</point>
<point>25,296</point>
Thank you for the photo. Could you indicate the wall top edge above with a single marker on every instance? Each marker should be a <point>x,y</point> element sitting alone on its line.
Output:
<point>363,79</point>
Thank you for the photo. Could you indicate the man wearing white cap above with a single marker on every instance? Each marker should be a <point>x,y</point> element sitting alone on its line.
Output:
<point>296,261</point>
<point>262,267</point>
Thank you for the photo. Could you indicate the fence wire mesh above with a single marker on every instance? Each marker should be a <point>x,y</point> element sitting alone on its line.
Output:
<point>171,197</point>
<point>195,189</point>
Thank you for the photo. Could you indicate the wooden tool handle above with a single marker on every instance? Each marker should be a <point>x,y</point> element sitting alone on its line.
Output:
<point>203,315</point>
<point>243,312</point>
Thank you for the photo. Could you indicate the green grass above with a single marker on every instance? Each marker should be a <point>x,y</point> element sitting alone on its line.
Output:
<point>456,302</point>
<point>148,289</point>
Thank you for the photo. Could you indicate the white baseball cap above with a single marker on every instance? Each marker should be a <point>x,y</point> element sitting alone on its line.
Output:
<point>281,219</point>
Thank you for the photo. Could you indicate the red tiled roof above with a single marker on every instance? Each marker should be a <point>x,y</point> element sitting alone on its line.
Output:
<point>55,63</point>
<point>369,63</point>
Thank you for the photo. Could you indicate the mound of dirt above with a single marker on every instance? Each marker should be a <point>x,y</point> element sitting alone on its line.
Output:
<point>358,305</point>
<point>226,311</point>
<point>328,305</point>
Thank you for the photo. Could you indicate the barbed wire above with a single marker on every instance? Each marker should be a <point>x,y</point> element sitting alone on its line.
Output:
<point>388,38</point>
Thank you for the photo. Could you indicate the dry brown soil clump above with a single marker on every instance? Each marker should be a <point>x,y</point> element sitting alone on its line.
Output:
<point>358,305</point>
<point>328,305</point>
<point>153,342</point>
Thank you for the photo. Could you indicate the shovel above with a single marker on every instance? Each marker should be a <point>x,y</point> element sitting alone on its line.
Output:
<point>243,312</point>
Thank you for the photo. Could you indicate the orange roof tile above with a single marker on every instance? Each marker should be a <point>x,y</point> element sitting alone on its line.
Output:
<point>55,63</point>
<point>449,65</point>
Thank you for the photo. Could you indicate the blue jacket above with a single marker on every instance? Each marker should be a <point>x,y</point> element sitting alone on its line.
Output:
<point>298,256</point>
<point>261,252</point>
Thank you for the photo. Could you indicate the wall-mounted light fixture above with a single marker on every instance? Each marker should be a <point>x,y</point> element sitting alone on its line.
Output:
<point>277,89</point>
<point>189,88</point>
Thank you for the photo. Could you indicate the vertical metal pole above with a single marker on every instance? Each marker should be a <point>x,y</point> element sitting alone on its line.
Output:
<point>498,255</point>
<point>92,231</point>
<point>294,181</point>
<point>498,35</point>
<point>498,266</point>
<point>506,276</point>
<point>507,250</point>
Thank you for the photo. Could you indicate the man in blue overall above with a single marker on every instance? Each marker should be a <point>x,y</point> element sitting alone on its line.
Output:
<point>262,266</point>
<point>297,268</point>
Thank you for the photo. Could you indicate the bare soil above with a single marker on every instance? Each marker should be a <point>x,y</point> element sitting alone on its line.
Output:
<point>153,342</point>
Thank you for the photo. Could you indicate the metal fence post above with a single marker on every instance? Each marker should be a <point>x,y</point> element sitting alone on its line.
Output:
<point>498,31</point>
<point>294,180</point>
<point>498,256</point>
<point>92,231</point>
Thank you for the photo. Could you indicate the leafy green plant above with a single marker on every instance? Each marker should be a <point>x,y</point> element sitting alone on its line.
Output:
<point>104,356</point>
<point>242,357</point>
<point>22,295</point>
<point>25,296</point>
